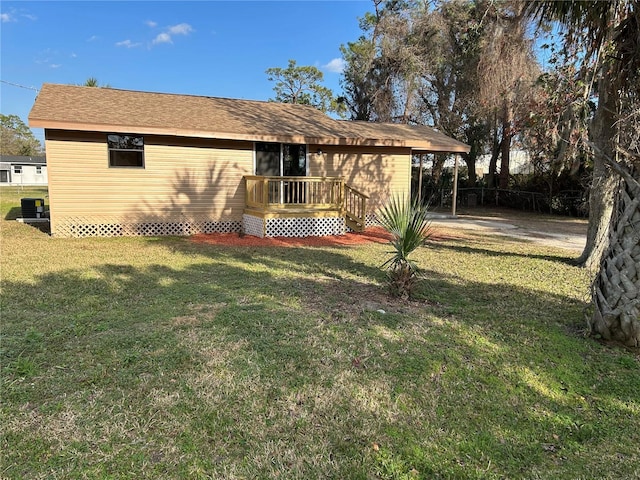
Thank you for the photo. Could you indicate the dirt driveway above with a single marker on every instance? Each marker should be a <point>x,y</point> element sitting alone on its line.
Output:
<point>551,230</point>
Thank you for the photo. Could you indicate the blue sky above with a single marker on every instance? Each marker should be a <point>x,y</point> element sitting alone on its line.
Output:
<point>202,48</point>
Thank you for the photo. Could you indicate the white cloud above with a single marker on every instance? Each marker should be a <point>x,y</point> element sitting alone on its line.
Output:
<point>336,65</point>
<point>128,43</point>
<point>92,38</point>
<point>151,23</point>
<point>55,65</point>
<point>162,38</point>
<point>167,35</point>
<point>73,55</point>
<point>13,14</point>
<point>180,29</point>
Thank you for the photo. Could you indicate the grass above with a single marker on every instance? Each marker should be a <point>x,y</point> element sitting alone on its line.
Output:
<point>161,358</point>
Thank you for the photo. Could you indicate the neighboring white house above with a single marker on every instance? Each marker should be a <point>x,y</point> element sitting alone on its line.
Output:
<point>519,163</point>
<point>18,170</point>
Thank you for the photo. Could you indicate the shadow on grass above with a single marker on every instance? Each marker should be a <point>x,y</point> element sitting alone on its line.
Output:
<point>463,247</point>
<point>264,347</point>
<point>13,213</point>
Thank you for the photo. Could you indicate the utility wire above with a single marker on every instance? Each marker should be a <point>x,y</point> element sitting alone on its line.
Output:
<point>21,86</point>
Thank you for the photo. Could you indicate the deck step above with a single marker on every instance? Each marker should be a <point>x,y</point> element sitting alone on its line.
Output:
<point>354,224</point>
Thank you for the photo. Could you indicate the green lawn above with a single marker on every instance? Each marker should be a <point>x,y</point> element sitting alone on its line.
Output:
<point>160,358</point>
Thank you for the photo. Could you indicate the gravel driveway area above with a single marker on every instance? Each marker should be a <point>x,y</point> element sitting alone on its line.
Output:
<point>551,230</point>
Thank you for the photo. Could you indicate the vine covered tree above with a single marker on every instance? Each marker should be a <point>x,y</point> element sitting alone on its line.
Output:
<point>610,35</point>
<point>461,66</point>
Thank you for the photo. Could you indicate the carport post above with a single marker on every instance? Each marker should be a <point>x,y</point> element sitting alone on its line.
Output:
<point>455,185</point>
<point>420,180</point>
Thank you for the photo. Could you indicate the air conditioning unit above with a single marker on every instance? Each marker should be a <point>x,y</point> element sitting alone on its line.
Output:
<point>32,207</point>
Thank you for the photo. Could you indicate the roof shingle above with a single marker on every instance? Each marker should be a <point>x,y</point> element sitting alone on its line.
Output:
<point>69,107</point>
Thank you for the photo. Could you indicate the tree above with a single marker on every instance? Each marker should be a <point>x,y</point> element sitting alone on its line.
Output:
<point>556,127</point>
<point>383,67</point>
<point>507,71</point>
<point>301,84</point>
<point>415,64</point>
<point>450,37</point>
<point>590,26</point>
<point>17,138</point>
<point>610,32</point>
<point>557,124</point>
<point>423,63</point>
<point>93,82</point>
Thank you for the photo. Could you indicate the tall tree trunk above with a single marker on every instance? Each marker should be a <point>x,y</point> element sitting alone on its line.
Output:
<point>438,166</point>
<point>505,146</point>
<point>470,160</point>
<point>603,184</point>
<point>495,151</point>
<point>616,289</point>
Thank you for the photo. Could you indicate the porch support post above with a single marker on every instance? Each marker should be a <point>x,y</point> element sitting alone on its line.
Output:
<point>420,179</point>
<point>455,185</point>
<point>265,192</point>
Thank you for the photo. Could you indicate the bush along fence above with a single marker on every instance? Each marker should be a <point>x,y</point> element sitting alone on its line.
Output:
<point>573,203</point>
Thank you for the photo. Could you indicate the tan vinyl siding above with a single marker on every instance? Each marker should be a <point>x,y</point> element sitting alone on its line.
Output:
<point>182,179</point>
<point>379,172</point>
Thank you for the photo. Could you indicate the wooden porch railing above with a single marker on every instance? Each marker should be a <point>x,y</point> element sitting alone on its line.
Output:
<point>355,208</point>
<point>273,193</point>
<point>281,194</point>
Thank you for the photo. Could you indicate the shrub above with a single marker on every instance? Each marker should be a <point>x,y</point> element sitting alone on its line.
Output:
<point>409,225</point>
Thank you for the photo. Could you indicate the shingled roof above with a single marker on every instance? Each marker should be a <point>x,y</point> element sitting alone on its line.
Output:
<point>68,107</point>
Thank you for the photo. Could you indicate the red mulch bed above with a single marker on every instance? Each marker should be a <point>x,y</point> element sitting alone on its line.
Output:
<point>371,235</point>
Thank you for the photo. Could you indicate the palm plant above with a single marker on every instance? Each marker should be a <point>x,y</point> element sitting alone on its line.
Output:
<point>93,82</point>
<point>408,223</point>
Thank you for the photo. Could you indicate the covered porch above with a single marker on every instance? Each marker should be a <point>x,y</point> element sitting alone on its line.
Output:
<point>278,206</point>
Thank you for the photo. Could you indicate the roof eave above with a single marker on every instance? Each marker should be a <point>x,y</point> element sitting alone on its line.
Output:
<point>416,146</point>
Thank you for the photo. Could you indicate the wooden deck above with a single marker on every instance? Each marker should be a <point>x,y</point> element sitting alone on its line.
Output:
<point>282,197</point>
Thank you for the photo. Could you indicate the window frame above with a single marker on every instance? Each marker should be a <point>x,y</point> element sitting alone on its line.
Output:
<point>111,149</point>
<point>17,169</point>
<point>281,156</point>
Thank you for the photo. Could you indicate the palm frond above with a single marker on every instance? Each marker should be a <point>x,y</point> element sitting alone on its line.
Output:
<point>409,225</point>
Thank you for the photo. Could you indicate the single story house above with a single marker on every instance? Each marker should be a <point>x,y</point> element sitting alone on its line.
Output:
<point>125,162</point>
<point>23,170</point>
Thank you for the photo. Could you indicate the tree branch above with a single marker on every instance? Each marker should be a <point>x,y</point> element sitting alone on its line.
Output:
<point>616,167</point>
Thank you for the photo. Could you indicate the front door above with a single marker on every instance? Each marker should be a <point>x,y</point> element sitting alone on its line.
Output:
<point>294,164</point>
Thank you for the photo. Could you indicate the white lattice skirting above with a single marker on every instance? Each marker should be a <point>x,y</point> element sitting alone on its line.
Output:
<point>253,225</point>
<point>370,219</point>
<point>293,227</point>
<point>108,227</point>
